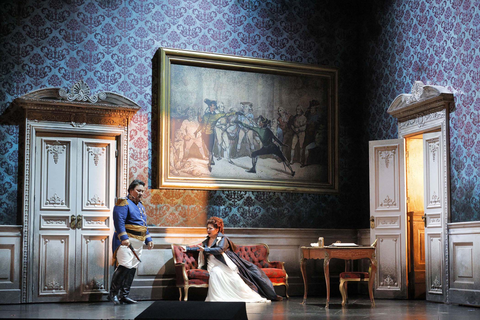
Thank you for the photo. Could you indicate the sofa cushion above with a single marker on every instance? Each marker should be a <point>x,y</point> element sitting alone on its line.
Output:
<point>354,275</point>
<point>278,281</point>
<point>256,254</point>
<point>274,273</point>
<point>197,282</point>
<point>198,274</point>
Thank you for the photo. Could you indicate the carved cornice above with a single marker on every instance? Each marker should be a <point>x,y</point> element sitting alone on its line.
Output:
<point>423,99</point>
<point>77,106</point>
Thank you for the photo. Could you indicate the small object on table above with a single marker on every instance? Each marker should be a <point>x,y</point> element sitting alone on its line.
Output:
<point>321,242</point>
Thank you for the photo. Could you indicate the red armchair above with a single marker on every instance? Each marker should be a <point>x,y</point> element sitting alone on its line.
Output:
<point>188,275</point>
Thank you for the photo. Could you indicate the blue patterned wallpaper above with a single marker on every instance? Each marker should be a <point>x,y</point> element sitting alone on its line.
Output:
<point>110,43</point>
<point>437,42</point>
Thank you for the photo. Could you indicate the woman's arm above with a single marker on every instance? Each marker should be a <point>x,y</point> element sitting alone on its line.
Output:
<point>220,248</point>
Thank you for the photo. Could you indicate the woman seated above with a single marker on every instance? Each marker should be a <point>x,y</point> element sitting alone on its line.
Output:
<point>231,277</point>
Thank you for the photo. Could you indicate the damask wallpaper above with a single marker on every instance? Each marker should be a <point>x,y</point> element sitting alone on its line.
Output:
<point>437,42</point>
<point>110,43</point>
<point>380,48</point>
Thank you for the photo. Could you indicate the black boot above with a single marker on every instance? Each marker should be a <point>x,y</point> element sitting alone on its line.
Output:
<point>254,164</point>
<point>117,280</point>
<point>125,289</point>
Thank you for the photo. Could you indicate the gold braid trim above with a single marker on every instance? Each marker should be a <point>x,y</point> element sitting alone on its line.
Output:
<point>141,238</point>
<point>136,227</point>
<point>121,202</point>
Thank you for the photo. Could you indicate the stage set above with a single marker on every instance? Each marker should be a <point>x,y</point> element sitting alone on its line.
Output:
<point>337,140</point>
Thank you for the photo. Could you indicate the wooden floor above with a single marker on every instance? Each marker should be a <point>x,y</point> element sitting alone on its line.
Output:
<point>288,309</point>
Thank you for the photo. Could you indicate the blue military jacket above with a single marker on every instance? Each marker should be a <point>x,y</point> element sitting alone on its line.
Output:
<point>130,220</point>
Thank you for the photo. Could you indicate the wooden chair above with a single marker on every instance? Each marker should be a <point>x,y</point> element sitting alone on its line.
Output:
<point>346,277</point>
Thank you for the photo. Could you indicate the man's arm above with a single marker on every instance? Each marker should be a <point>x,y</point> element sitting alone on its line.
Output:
<point>120,212</point>
<point>249,127</point>
<point>278,141</point>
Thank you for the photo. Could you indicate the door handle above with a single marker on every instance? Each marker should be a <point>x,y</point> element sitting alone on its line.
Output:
<point>372,222</point>
<point>424,218</point>
<point>73,221</point>
<point>79,221</point>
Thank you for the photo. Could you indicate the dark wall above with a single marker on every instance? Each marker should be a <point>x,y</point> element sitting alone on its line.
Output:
<point>110,44</point>
<point>436,42</point>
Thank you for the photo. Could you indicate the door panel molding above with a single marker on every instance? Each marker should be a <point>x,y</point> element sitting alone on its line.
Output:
<point>388,210</point>
<point>96,195</point>
<point>53,111</point>
<point>57,218</point>
<point>389,273</point>
<point>433,210</point>
<point>56,168</point>
<point>54,272</point>
<point>95,261</point>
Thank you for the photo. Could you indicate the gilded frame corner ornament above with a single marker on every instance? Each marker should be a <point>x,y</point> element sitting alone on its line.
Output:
<point>217,113</point>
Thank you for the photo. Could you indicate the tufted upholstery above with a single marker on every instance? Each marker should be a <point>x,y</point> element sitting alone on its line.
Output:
<point>257,254</point>
<point>188,275</point>
<point>189,258</point>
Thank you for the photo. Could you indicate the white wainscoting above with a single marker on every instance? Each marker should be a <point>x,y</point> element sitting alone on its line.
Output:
<point>156,274</point>
<point>10,265</point>
<point>464,242</point>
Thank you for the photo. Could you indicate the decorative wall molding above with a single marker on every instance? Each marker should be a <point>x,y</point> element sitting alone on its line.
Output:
<point>465,275</point>
<point>427,108</point>
<point>80,91</point>
<point>10,255</point>
<point>421,104</point>
<point>52,110</point>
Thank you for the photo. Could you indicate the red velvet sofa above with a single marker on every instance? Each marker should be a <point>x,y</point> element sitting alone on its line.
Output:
<point>188,275</point>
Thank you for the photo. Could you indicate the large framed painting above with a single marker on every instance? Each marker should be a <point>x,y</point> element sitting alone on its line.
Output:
<point>229,122</point>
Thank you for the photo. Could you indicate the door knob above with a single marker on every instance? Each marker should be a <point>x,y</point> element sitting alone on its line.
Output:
<point>372,222</point>
<point>79,221</point>
<point>424,218</point>
<point>73,221</point>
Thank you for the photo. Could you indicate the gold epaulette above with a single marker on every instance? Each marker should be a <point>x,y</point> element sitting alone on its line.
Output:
<point>122,202</point>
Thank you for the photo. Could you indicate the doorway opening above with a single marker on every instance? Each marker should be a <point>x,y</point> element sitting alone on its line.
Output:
<point>414,146</point>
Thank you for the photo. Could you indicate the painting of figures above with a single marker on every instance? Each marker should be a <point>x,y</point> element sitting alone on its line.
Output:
<point>247,125</point>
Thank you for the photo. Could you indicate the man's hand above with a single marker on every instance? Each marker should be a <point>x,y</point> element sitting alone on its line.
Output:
<point>200,248</point>
<point>125,242</point>
<point>150,245</point>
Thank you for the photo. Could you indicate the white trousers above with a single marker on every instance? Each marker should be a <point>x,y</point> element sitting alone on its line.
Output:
<point>125,256</point>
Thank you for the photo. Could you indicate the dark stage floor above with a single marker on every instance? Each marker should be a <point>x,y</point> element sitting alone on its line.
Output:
<point>289,309</point>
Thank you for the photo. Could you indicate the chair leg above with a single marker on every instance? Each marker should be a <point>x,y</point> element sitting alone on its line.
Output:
<point>286,291</point>
<point>186,293</point>
<point>180,292</point>
<point>370,293</point>
<point>346,292</point>
<point>341,287</point>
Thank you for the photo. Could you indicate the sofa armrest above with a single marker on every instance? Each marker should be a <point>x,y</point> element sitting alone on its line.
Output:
<point>181,274</point>
<point>277,264</point>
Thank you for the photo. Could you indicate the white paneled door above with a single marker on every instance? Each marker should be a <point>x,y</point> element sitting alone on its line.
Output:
<point>74,194</point>
<point>388,216</point>
<point>434,175</point>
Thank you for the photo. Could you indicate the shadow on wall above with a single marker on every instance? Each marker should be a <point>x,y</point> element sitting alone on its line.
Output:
<point>12,136</point>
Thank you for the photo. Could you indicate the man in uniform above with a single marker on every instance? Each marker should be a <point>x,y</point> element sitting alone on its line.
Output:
<point>269,143</point>
<point>299,125</point>
<point>131,233</point>
<point>207,126</point>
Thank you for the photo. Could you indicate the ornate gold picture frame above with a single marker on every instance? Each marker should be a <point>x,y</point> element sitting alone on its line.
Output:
<point>230,123</point>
